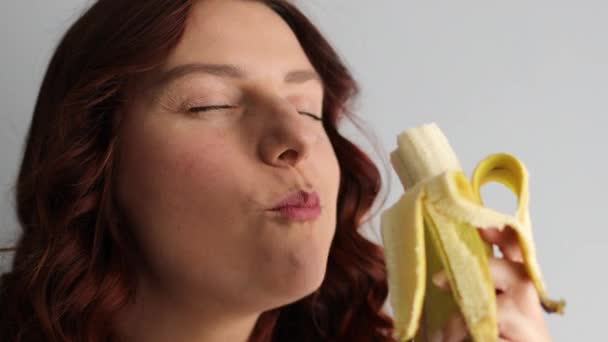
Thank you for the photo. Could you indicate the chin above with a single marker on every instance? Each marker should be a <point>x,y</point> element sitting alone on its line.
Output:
<point>297,286</point>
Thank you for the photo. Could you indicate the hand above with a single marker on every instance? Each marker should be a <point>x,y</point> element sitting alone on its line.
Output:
<point>519,313</point>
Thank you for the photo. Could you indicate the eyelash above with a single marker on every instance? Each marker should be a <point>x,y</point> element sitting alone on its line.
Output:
<point>208,108</point>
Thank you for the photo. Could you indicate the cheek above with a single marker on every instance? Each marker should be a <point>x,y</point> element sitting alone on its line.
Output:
<point>173,190</point>
<point>202,163</point>
<point>163,176</point>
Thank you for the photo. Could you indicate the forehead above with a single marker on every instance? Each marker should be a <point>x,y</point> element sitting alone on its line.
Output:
<point>239,32</point>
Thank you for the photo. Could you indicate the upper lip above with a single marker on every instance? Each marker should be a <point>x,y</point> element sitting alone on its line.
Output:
<point>298,198</point>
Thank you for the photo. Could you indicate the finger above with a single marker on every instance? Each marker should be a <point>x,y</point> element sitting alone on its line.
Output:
<point>520,316</point>
<point>506,274</point>
<point>454,330</point>
<point>440,279</point>
<point>513,325</point>
<point>506,240</point>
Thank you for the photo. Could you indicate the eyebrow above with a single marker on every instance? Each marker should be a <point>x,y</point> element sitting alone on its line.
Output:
<point>228,71</point>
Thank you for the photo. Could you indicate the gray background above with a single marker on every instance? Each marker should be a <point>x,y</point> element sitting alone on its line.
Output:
<point>524,77</point>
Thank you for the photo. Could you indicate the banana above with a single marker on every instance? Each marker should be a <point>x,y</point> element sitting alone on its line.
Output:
<point>433,227</point>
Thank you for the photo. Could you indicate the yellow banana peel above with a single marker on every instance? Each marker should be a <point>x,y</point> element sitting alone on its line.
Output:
<point>433,227</point>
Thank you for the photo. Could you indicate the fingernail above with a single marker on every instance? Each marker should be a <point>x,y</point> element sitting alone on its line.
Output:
<point>440,279</point>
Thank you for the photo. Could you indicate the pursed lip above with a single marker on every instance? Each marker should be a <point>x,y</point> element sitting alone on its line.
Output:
<point>299,198</point>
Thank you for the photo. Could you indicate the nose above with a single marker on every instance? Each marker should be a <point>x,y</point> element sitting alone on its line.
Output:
<point>288,137</point>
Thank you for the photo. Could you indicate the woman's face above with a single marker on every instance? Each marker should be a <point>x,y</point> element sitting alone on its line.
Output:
<point>196,186</point>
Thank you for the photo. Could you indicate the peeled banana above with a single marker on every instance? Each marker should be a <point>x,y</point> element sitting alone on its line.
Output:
<point>433,227</point>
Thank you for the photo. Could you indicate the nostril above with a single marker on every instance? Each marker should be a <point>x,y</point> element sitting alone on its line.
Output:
<point>289,156</point>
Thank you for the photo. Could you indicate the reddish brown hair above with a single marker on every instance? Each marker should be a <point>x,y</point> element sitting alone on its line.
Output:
<point>72,265</point>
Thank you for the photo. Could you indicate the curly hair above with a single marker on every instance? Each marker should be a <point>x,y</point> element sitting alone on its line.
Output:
<point>72,267</point>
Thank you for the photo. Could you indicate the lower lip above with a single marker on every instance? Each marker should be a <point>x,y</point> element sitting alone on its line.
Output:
<point>299,213</point>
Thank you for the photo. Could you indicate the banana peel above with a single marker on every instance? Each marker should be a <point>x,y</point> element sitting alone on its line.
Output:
<point>433,227</point>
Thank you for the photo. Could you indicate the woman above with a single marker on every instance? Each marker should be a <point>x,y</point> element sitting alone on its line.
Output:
<point>165,136</point>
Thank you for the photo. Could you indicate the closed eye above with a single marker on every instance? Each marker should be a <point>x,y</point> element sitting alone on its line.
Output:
<point>209,108</point>
<point>316,117</point>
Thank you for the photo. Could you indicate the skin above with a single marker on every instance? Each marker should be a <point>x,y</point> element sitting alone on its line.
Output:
<point>520,316</point>
<point>194,187</point>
